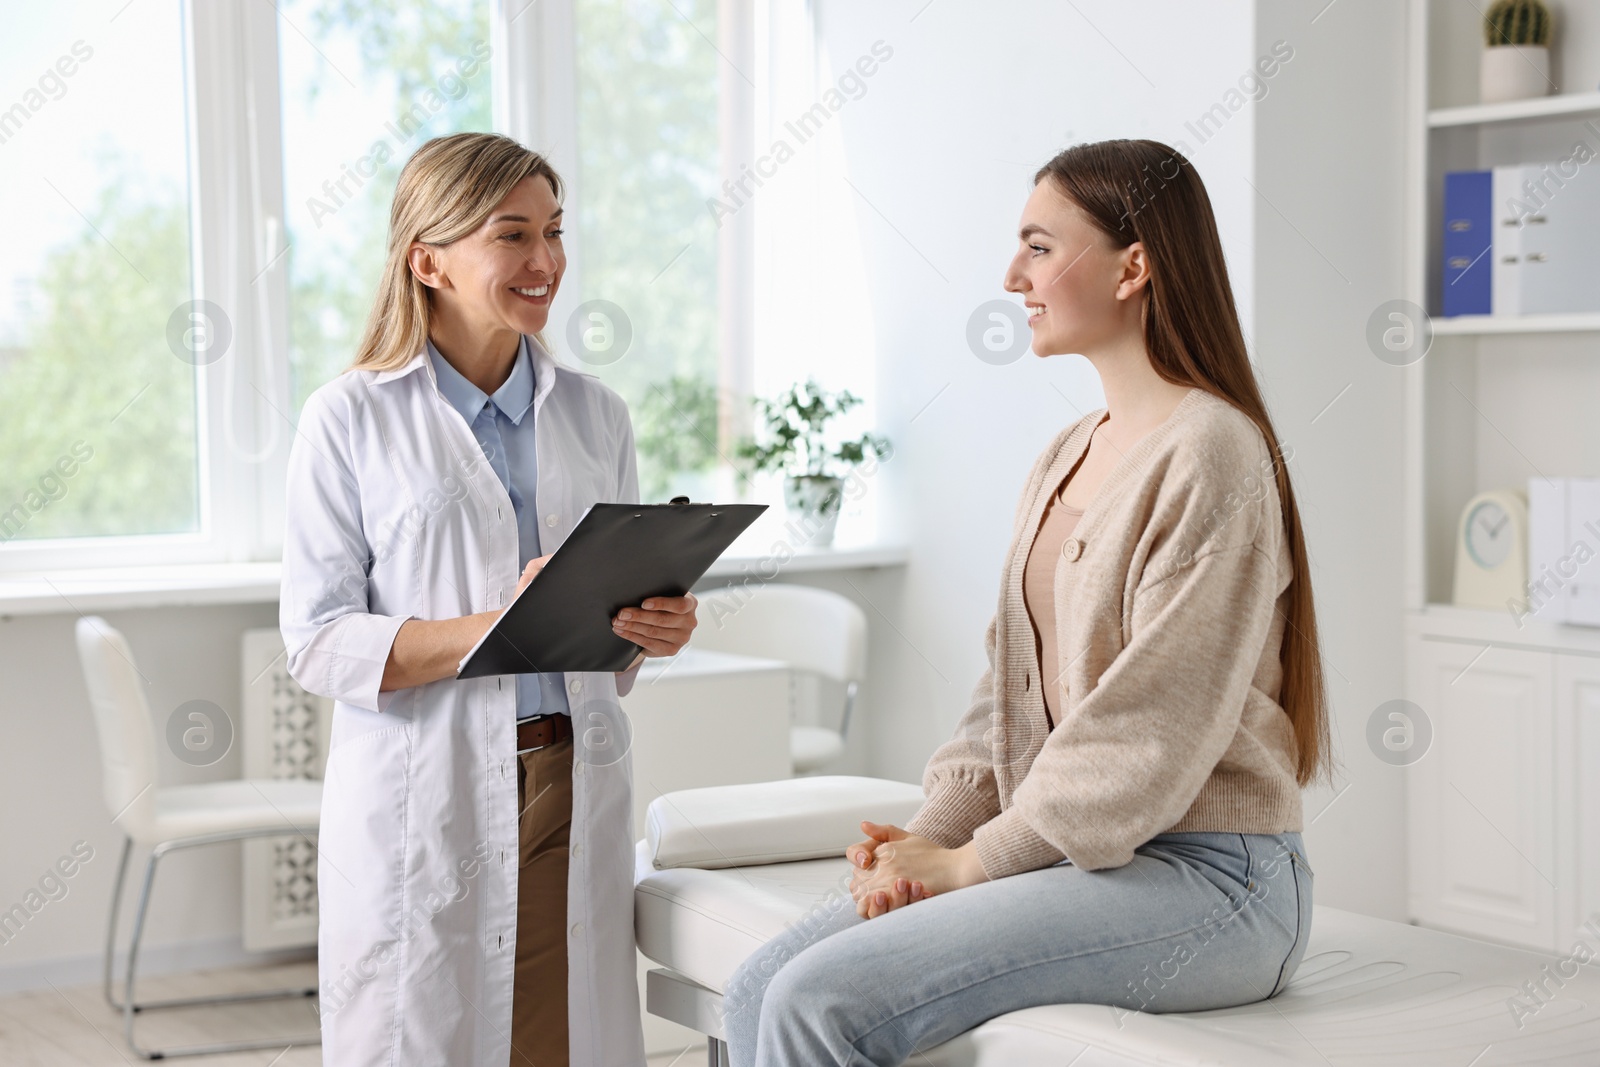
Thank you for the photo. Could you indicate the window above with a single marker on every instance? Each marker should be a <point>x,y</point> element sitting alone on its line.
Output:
<point>99,343</point>
<point>202,242</point>
<point>362,85</point>
<point>648,161</point>
<point>206,190</point>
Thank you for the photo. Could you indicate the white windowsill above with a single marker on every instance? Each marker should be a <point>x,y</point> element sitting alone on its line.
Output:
<point>76,592</point>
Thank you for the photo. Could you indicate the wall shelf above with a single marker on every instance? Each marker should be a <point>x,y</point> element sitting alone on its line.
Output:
<point>1458,325</point>
<point>1563,105</point>
<point>1497,626</point>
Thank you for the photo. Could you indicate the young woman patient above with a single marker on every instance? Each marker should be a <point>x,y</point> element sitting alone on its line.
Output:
<point>1116,820</point>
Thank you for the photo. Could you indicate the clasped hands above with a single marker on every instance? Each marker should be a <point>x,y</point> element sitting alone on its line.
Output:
<point>893,868</point>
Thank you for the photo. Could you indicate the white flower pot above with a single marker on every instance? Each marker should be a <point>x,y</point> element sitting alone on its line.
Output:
<point>1513,72</point>
<point>813,502</point>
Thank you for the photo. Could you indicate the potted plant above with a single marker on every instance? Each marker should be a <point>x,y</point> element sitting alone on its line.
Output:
<point>795,423</point>
<point>1516,55</point>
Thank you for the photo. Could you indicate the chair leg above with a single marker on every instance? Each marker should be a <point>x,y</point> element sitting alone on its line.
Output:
<point>129,1006</point>
<point>716,1052</point>
<point>111,925</point>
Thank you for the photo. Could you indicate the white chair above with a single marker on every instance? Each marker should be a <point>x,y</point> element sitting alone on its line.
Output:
<point>167,818</point>
<point>811,629</point>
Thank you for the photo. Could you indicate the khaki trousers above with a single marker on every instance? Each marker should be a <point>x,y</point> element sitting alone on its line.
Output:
<point>539,993</point>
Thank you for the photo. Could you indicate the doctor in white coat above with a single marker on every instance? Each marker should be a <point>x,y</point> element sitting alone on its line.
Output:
<point>401,548</point>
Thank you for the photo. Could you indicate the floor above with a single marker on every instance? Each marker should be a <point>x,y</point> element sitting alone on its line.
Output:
<point>75,1027</point>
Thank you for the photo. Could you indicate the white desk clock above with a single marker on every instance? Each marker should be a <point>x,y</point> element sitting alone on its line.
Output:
<point>1492,550</point>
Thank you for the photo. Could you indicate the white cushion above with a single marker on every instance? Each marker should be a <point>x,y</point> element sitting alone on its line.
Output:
<point>771,822</point>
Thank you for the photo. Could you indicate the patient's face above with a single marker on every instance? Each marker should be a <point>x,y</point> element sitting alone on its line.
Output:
<point>1068,274</point>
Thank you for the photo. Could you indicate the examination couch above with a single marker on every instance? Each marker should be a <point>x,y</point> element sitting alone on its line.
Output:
<point>722,870</point>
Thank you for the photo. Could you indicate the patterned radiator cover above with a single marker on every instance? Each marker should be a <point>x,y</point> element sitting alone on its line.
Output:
<point>284,734</point>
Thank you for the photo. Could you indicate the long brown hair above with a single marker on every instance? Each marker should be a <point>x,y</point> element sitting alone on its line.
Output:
<point>1137,190</point>
<point>446,190</point>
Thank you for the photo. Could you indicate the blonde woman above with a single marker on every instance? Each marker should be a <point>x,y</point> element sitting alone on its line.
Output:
<point>475,858</point>
<point>1117,819</point>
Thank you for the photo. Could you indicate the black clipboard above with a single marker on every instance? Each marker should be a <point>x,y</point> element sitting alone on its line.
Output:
<point>616,557</point>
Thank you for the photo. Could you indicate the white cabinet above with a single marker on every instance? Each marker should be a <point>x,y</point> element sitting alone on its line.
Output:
<point>707,718</point>
<point>1481,798</point>
<point>1503,809</point>
<point>1577,742</point>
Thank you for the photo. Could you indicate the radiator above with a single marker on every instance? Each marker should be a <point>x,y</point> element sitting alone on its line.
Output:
<point>283,734</point>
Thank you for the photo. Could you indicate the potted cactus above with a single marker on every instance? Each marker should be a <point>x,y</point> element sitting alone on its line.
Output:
<point>1516,54</point>
<point>814,487</point>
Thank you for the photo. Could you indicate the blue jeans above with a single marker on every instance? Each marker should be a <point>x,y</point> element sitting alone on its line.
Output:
<point>1194,921</point>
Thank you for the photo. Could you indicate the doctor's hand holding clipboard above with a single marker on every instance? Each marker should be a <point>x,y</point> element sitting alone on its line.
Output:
<point>660,626</point>
<point>475,857</point>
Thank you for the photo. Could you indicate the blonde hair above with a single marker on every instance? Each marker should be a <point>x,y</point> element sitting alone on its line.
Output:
<point>446,191</point>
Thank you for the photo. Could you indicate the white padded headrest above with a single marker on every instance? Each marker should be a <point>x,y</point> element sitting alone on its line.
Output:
<point>771,822</point>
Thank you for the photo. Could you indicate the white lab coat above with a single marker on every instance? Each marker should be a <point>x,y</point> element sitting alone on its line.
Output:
<point>393,512</point>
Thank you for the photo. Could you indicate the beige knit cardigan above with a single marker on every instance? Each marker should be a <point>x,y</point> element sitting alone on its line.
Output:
<point>1170,601</point>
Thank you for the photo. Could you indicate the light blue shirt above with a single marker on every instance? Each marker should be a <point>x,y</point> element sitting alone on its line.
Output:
<point>503,425</point>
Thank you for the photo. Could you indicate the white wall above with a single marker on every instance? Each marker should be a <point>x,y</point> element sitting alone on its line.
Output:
<point>943,148</point>
<point>1329,156</point>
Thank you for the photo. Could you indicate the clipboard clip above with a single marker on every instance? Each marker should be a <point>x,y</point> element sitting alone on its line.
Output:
<point>679,500</point>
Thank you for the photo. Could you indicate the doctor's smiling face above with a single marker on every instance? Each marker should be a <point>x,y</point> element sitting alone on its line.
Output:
<point>501,278</point>
<point>1081,293</point>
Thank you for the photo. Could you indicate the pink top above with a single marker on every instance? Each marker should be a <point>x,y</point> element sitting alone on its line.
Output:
<point>1038,592</point>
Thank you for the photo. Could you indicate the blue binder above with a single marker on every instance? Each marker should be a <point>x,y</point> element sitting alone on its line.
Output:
<point>1468,242</point>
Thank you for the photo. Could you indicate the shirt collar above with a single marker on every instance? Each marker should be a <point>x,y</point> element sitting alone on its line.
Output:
<point>514,397</point>
<point>545,379</point>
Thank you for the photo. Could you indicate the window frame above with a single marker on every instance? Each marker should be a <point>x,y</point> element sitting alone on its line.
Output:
<point>233,166</point>
<point>542,112</point>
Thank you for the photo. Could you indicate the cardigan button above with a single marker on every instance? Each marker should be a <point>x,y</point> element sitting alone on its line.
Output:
<point>1071,549</point>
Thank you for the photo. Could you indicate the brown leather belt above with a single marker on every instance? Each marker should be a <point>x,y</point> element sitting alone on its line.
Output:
<point>542,731</point>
